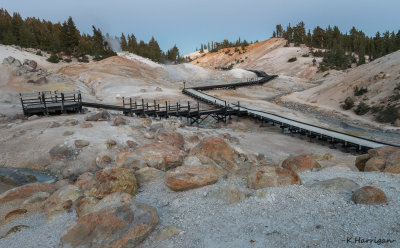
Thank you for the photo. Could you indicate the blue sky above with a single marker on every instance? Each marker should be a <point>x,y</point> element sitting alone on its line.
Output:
<point>188,23</point>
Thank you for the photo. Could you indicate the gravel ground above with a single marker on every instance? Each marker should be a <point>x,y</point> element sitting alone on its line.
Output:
<point>39,234</point>
<point>293,216</point>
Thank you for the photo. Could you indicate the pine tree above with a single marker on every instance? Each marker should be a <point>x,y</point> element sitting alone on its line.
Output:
<point>124,43</point>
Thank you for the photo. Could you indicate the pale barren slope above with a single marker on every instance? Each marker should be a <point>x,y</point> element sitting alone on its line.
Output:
<point>380,77</point>
<point>270,56</point>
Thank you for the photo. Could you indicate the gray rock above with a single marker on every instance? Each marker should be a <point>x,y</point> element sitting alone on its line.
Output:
<point>103,115</point>
<point>340,184</point>
<point>81,143</point>
<point>63,151</point>
<point>31,63</point>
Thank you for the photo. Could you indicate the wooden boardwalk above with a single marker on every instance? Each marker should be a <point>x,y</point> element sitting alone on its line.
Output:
<point>48,102</point>
<point>220,110</point>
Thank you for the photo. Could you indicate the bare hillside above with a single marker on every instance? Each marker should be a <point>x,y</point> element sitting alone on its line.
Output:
<point>270,56</point>
<point>380,77</point>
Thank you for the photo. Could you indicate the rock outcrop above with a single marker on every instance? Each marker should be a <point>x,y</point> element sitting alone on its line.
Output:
<point>116,226</point>
<point>301,163</point>
<point>157,155</point>
<point>111,180</point>
<point>218,150</point>
<point>385,159</point>
<point>26,191</point>
<point>369,195</point>
<point>184,178</point>
<point>271,176</point>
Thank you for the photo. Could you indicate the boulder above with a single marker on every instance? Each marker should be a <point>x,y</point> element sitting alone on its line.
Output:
<point>269,176</point>
<point>218,150</point>
<point>149,175</point>
<point>31,63</point>
<point>361,160</point>
<point>61,183</point>
<point>26,191</point>
<point>102,161</point>
<point>62,199</point>
<point>81,143</point>
<point>369,195</point>
<point>86,125</point>
<point>205,161</point>
<point>35,198</point>
<point>385,159</point>
<point>103,115</point>
<point>9,60</point>
<point>113,199</point>
<point>117,226</point>
<point>301,163</point>
<point>337,184</point>
<point>157,155</point>
<point>83,180</point>
<point>63,151</point>
<point>85,205</point>
<point>71,122</point>
<point>146,122</point>
<point>184,178</point>
<point>108,181</point>
<point>118,121</point>
<point>54,124</point>
<point>68,133</point>
<point>230,192</point>
<point>171,138</point>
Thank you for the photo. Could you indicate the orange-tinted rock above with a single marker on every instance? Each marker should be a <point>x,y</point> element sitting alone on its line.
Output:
<point>112,180</point>
<point>14,213</point>
<point>26,191</point>
<point>157,155</point>
<point>118,226</point>
<point>304,162</point>
<point>385,159</point>
<point>85,205</point>
<point>382,151</point>
<point>118,121</point>
<point>361,160</point>
<point>131,144</point>
<point>61,183</point>
<point>271,176</point>
<point>83,180</point>
<point>184,178</point>
<point>171,138</point>
<point>218,150</point>
<point>369,195</point>
<point>62,199</point>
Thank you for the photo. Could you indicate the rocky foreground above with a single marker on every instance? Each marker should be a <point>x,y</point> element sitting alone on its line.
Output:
<point>130,182</point>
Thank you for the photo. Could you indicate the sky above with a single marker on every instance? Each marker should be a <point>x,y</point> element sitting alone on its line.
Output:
<point>189,23</point>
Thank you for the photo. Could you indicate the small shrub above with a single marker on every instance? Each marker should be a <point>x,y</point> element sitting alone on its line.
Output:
<point>83,59</point>
<point>323,68</point>
<point>292,59</point>
<point>68,60</point>
<point>53,58</point>
<point>227,51</point>
<point>314,62</point>
<point>318,53</point>
<point>376,109</point>
<point>305,55</point>
<point>362,108</point>
<point>348,103</point>
<point>389,115</point>
<point>39,53</point>
<point>397,87</point>
<point>327,74</point>
<point>360,91</point>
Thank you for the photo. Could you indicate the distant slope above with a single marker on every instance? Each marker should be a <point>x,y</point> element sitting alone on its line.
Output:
<point>270,56</point>
<point>380,77</point>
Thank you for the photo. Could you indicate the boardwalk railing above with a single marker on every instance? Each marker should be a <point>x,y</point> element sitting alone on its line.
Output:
<point>47,102</point>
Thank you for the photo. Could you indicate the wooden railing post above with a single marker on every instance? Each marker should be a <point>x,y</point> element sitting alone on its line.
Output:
<point>62,102</point>
<point>143,111</point>
<point>166,109</point>
<point>130,106</point>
